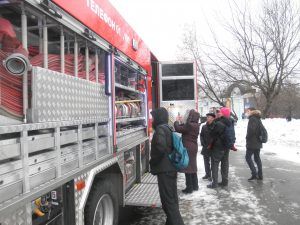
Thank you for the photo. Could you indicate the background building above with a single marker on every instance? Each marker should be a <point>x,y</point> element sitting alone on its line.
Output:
<point>236,96</point>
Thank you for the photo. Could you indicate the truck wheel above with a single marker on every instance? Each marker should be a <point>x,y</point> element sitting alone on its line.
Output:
<point>102,205</point>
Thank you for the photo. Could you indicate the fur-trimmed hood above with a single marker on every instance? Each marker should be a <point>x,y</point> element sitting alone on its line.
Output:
<point>256,113</point>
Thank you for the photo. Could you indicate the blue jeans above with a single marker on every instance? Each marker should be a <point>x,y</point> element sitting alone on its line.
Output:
<point>256,153</point>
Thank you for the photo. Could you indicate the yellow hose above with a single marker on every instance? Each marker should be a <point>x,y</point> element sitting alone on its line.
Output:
<point>37,211</point>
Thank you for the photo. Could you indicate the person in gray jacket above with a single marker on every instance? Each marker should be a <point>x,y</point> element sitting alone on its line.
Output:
<point>160,165</point>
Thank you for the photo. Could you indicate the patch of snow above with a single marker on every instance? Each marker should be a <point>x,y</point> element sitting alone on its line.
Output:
<point>295,205</point>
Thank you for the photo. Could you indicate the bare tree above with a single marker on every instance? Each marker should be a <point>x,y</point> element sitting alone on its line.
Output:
<point>266,50</point>
<point>208,81</point>
<point>287,103</point>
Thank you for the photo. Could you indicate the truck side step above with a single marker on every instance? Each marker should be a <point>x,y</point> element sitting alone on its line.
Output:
<point>148,178</point>
<point>145,193</point>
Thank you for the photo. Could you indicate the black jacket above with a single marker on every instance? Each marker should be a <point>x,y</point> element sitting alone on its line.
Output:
<point>253,131</point>
<point>161,144</point>
<point>206,139</point>
<point>217,145</point>
<point>229,123</point>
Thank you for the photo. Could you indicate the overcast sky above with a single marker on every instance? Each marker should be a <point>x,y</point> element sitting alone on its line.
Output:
<point>160,22</point>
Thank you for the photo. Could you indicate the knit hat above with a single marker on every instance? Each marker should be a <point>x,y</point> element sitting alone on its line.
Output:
<point>211,114</point>
<point>225,112</point>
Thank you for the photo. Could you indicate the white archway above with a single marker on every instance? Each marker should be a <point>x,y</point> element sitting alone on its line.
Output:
<point>237,102</point>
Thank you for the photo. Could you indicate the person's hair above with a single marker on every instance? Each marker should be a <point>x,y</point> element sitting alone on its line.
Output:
<point>251,108</point>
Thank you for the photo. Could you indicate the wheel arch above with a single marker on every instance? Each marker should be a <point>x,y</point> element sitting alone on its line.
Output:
<point>109,170</point>
<point>114,174</point>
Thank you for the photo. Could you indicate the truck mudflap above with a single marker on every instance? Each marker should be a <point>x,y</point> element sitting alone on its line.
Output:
<point>145,193</point>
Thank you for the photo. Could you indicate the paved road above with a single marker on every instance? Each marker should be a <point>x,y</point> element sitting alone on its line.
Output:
<point>275,200</point>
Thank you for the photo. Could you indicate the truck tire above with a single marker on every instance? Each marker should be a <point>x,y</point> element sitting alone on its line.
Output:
<point>102,205</point>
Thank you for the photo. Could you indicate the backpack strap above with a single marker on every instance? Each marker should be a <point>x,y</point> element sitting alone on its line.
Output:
<point>165,127</point>
<point>260,125</point>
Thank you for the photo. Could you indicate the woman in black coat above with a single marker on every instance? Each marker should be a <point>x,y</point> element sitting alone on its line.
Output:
<point>190,132</point>
<point>253,143</point>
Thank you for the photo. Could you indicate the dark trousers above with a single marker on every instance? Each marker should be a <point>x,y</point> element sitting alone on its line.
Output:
<point>225,167</point>
<point>256,153</point>
<point>215,170</point>
<point>207,167</point>
<point>167,185</point>
<point>191,181</point>
<point>215,161</point>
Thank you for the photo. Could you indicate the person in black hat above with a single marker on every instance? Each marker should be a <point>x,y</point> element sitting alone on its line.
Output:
<point>205,139</point>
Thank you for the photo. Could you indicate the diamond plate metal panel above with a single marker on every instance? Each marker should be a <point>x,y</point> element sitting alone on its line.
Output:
<point>57,97</point>
<point>121,163</point>
<point>17,218</point>
<point>143,195</point>
<point>78,194</point>
<point>148,178</point>
<point>82,195</point>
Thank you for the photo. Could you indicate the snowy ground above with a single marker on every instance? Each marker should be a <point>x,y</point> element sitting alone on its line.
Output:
<point>233,205</point>
<point>275,200</point>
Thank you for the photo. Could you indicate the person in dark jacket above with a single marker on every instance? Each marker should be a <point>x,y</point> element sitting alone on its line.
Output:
<point>205,139</point>
<point>217,149</point>
<point>253,143</point>
<point>190,133</point>
<point>160,165</point>
<point>220,153</point>
<point>229,122</point>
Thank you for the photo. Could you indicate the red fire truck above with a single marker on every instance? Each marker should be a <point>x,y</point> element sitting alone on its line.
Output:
<point>75,96</point>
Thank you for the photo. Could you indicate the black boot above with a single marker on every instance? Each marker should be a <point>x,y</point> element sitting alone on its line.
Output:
<point>195,182</point>
<point>206,177</point>
<point>253,177</point>
<point>223,184</point>
<point>189,184</point>
<point>187,191</point>
<point>212,185</point>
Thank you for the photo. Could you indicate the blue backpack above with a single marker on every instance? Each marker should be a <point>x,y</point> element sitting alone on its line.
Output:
<point>179,156</point>
<point>229,136</point>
